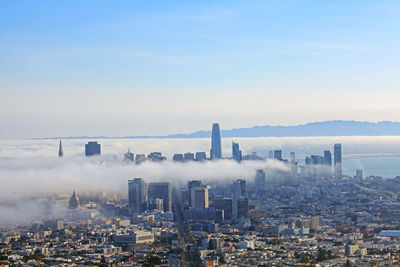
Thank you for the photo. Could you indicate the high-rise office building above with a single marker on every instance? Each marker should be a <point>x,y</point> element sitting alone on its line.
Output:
<point>317,160</point>
<point>129,156</point>
<point>239,190</point>
<point>156,157</point>
<point>140,158</point>
<point>60,150</point>
<point>293,163</point>
<point>328,158</point>
<point>292,157</point>
<point>294,167</point>
<point>217,198</point>
<point>260,180</point>
<point>242,207</point>
<point>201,156</point>
<point>236,153</point>
<point>156,204</point>
<point>236,188</point>
<point>225,204</point>
<point>188,156</point>
<point>337,158</point>
<point>191,184</point>
<point>359,174</point>
<point>177,157</point>
<point>314,223</point>
<point>278,154</point>
<point>215,152</point>
<point>228,208</point>
<point>199,197</point>
<point>137,195</point>
<point>243,188</point>
<point>163,191</point>
<point>92,148</point>
<point>315,166</point>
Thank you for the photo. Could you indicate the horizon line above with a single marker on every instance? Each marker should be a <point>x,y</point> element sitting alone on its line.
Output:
<point>190,135</point>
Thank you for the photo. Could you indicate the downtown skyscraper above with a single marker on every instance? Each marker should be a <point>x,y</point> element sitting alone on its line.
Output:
<point>199,197</point>
<point>239,193</point>
<point>236,152</point>
<point>137,195</point>
<point>92,148</point>
<point>215,152</point>
<point>337,159</point>
<point>60,150</point>
<point>191,184</point>
<point>161,190</point>
<point>327,158</point>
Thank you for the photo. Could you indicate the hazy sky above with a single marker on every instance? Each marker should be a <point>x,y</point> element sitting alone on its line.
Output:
<point>158,67</point>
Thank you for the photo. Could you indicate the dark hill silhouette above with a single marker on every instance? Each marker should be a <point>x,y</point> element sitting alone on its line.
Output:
<point>325,128</point>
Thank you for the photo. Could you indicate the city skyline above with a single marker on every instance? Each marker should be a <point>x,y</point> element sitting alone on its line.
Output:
<point>89,71</point>
<point>200,133</point>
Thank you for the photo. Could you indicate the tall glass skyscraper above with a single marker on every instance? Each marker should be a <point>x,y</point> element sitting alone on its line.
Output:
<point>337,159</point>
<point>92,148</point>
<point>236,153</point>
<point>60,150</point>
<point>161,191</point>
<point>260,180</point>
<point>239,191</point>
<point>137,195</point>
<point>215,152</point>
<point>328,158</point>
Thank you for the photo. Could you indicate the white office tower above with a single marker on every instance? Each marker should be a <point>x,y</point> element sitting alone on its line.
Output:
<point>199,197</point>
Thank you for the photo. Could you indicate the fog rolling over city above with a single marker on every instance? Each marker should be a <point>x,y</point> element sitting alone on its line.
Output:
<point>111,175</point>
<point>25,180</point>
<point>200,133</point>
<point>31,170</point>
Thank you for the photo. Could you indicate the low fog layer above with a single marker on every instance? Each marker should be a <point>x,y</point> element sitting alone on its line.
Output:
<point>31,169</point>
<point>42,176</point>
<point>24,180</point>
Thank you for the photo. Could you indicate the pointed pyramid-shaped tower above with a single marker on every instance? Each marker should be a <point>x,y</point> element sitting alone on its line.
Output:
<point>74,202</point>
<point>60,150</point>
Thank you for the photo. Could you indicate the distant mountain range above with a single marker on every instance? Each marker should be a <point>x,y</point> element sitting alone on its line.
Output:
<point>325,128</point>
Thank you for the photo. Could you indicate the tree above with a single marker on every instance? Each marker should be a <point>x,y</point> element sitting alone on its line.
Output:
<point>324,255</point>
<point>153,260</point>
<point>222,259</point>
<point>348,264</point>
<point>3,257</point>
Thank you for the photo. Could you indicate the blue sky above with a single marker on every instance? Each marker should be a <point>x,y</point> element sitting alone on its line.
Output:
<point>159,67</point>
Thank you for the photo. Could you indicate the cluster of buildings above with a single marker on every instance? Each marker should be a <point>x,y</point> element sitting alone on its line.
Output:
<point>99,241</point>
<point>315,162</point>
<point>315,165</point>
<point>152,196</point>
<point>309,221</point>
<point>199,205</point>
<point>311,215</point>
<point>93,148</point>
